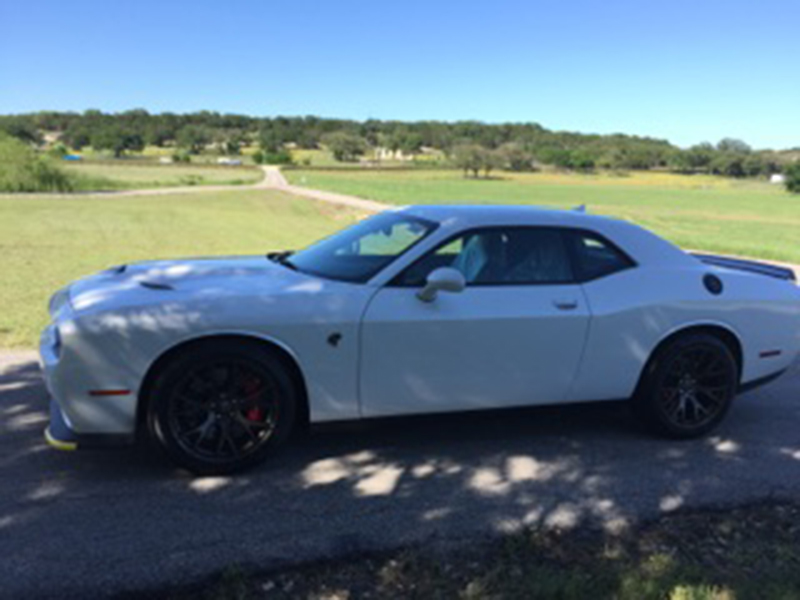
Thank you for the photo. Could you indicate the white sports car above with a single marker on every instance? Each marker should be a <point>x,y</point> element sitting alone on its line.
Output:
<point>424,309</point>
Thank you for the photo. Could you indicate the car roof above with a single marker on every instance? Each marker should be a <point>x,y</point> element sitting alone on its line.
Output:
<point>502,214</point>
<point>643,246</point>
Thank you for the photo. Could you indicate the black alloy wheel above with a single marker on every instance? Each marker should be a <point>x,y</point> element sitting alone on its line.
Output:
<point>221,407</point>
<point>689,387</point>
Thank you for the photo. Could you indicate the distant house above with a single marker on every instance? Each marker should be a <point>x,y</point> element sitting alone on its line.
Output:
<point>165,160</point>
<point>234,162</point>
<point>777,178</point>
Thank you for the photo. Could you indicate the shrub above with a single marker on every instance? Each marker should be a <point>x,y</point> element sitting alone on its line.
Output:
<point>792,173</point>
<point>267,157</point>
<point>23,170</point>
<point>281,157</point>
<point>58,150</point>
<point>181,157</point>
<point>191,180</point>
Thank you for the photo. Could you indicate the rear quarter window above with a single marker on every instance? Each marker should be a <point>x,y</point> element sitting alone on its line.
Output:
<point>597,257</point>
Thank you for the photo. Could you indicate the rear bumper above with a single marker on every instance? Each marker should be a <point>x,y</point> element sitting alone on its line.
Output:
<point>60,435</point>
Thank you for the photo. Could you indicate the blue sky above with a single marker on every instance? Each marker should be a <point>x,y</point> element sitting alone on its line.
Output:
<point>685,70</point>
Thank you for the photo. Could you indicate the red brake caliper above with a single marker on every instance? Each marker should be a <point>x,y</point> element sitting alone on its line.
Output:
<point>250,388</point>
<point>255,414</point>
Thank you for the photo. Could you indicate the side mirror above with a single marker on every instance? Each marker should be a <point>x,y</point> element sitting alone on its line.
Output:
<point>443,279</point>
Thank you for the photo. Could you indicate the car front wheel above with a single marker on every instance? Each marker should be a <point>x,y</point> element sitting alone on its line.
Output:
<point>688,387</point>
<point>220,407</point>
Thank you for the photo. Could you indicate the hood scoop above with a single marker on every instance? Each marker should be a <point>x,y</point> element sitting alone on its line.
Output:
<point>156,285</point>
<point>118,270</point>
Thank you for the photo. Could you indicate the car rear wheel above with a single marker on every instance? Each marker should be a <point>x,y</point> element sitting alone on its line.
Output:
<point>688,387</point>
<point>221,407</point>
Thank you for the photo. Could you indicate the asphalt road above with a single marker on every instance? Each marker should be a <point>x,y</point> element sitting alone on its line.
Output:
<point>85,524</point>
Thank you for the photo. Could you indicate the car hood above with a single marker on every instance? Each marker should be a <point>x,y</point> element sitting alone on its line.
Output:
<point>162,280</point>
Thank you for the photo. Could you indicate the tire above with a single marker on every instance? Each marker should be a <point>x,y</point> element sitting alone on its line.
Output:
<point>688,387</point>
<point>223,406</point>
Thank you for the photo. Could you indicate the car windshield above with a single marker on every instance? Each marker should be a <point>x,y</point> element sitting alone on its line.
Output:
<point>359,252</point>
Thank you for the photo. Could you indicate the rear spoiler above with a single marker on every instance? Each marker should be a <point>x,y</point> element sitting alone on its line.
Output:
<point>750,266</point>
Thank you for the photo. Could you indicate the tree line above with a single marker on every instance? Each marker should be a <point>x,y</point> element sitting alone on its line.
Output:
<point>476,147</point>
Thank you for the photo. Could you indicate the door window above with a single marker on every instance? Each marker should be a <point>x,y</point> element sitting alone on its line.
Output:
<point>499,256</point>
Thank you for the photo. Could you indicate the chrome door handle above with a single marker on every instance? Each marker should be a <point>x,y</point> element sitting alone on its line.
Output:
<point>565,304</point>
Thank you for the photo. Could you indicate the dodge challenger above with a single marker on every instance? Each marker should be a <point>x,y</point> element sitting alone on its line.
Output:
<point>422,309</point>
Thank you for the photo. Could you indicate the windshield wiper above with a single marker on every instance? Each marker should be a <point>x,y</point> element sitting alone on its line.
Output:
<point>282,258</point>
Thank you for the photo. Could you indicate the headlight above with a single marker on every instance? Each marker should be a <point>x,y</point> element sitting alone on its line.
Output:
<point>51,338</point>
<point>58,300</point>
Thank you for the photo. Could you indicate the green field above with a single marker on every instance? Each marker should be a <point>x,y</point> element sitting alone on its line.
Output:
<point>139,175</point>
<point>45,242</point>
<point>748,218</point>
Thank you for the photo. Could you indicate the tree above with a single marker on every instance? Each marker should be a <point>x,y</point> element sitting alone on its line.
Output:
<point>699,157</point>
<point>233,142</point>
<point>406,141</point>
<point>492,160</point>
<point>468,157</point>
<point>730,165</point>
<point>77,136</point>
<point>117,140</point>
<point>581,160</point>
<point>345,146</point>
<point>194,138</point>
<point>158,134</point>
<point>194,132</point>
<point>558,157</point>
<point>754,165</point>
<point>514,157</point>
<point>21,128</point>
<point>730,145</point>
<point>792,173</point>
<point>679,162</point>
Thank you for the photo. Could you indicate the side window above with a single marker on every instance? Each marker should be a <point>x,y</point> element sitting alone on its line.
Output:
<point>499,256</point>
<point>596,257</point>
<point>444,256</point>
<point>537,255</point>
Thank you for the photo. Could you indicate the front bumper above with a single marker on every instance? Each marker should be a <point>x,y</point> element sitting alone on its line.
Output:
<point>72,370</point>
<point>60,435</point>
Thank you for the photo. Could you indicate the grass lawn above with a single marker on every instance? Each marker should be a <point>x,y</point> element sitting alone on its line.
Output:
<point>133,175</point>
<point>748,218</point>
<point>45,242</point>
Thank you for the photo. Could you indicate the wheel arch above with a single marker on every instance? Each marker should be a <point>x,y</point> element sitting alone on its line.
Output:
<point>287,357</point>
<point>722,332</point>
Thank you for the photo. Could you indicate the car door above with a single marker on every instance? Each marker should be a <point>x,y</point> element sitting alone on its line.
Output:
<point>514,336</point>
